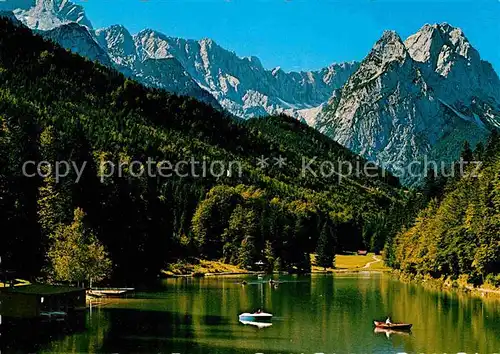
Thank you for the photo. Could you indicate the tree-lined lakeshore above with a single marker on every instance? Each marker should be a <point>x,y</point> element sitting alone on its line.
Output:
<point>456,236</point>
<point>57,106</point>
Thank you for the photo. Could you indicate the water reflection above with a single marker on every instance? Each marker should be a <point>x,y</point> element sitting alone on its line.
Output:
<point>29,336</point>
<point>257,324</point>
<point>389,332</point>
<point>321,313</point>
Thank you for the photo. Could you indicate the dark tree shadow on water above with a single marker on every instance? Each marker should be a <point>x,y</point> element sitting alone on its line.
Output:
<point>109,330</point>
<point>31,335</point>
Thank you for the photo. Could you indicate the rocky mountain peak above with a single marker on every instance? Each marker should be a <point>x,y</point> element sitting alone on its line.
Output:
<point>152,44</point>
<point>255,60</point>
<point>445,50</point>
<point>241,84</point>
<point>438,44</point>
<point>425,44</point>
<point>389,36</point>
<point>46,14</point>
<point>415,98</point>
<point>77,39</point>
<point>389,47</point>
<point>388,52</point>
<point>277,71</point>
<point>207,42</point>
<point>117,40</point>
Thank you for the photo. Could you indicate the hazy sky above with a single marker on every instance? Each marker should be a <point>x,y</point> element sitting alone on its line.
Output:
<point>301,34</point>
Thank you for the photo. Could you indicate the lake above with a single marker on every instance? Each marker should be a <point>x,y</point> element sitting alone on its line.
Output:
<point>312,314</point>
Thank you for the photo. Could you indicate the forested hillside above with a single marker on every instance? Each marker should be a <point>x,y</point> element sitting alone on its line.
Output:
<point>458,233</point>
<point>57,106</point>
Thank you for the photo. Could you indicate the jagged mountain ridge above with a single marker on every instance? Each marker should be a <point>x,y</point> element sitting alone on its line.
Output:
<point>163,72</point>
<point>241,85</point>
<point>407,99</point>
<point>169,74</point>
<point>444,50</point>
<point>77,39</point>
<point>423,96</point>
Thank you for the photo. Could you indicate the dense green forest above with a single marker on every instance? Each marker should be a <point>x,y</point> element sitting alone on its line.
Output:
<point>457,235</point>
<point>57,106</point>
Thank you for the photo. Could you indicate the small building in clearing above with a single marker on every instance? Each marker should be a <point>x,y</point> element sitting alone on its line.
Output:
<point>31,301</point>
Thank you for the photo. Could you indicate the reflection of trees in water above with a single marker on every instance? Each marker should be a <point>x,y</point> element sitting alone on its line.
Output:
<point>29,336</point>
<point>312,314</point>
<point>444,321</point>
<point>90,339</point>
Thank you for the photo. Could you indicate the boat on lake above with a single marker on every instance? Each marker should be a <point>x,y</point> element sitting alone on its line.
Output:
<point>393,326</point>
<point>108,292</point>
<point>256,317</point>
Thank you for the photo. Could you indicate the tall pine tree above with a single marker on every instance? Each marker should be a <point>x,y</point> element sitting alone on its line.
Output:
<point>325,251</point>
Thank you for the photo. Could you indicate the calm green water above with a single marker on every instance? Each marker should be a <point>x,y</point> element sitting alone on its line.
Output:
<point>313,314</point>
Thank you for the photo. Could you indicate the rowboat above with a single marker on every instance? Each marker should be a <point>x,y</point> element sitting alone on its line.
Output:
<point>393,326</point>
<point>108,292</point>
<point>256,317</point>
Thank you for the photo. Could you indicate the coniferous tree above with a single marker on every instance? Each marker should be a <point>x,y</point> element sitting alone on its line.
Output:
<point>269,257</point>
<point>467,155</point>
<point>54,204</point>
<point>493,145</point>
<point>325,250</point>
<point>479,152</point>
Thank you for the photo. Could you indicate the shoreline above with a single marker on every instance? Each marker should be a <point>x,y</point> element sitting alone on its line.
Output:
<point>315,272</point>
<point>448,285</point>
<point>203,268</point>
<point>347,264</point>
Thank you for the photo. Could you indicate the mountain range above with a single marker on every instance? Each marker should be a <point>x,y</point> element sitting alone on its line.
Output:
<point>199,68</point>
<point>423,96</point>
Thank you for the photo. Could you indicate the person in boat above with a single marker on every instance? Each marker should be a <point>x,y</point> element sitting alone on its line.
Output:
<point>388,321</point>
